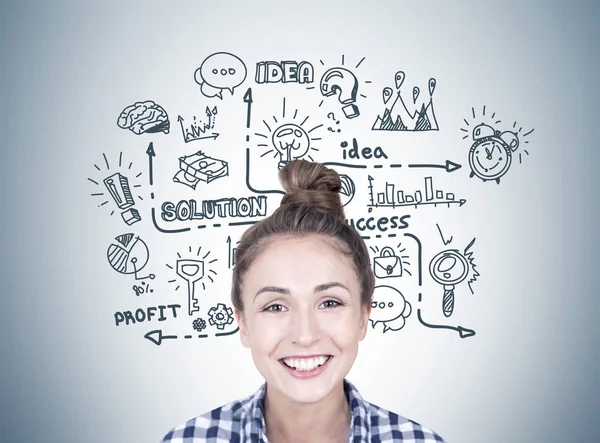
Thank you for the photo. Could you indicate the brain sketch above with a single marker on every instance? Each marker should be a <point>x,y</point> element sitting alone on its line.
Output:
<point>142,117</point>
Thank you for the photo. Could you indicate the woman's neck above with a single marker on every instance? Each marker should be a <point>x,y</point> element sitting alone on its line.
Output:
<point>290,422</point>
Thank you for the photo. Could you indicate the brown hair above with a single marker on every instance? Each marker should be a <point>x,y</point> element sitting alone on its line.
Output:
<point>311,205</point>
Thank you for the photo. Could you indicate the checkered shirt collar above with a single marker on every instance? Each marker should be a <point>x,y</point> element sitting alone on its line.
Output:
<point>359,432</point>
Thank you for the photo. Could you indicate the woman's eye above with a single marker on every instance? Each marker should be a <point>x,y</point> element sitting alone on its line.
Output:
<point>331,303</point>
<point>274,308</point>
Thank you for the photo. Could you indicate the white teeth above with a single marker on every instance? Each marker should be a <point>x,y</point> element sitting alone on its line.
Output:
<point>305,364</point>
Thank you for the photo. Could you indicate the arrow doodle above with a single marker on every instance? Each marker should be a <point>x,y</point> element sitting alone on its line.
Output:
<point>449,166</point>
<point>151,154</point>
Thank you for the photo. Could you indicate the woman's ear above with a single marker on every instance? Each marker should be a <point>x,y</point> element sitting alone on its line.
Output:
<point>239,316</point>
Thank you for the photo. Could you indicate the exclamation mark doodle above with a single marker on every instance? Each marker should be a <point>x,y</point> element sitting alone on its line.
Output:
<point>118,187</point>
<point>151,154</point>
<point>248,99</point>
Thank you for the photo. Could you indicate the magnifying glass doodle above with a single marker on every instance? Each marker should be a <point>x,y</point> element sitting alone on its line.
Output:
<point>449,268</point>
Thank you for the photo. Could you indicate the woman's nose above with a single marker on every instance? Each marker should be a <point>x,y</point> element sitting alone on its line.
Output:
<point>305,328</point>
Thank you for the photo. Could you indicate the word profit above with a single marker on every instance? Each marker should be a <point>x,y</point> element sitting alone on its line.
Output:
<point>145,314</point>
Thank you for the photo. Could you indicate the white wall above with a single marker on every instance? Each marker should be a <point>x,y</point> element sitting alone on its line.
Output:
<point>72,374</point>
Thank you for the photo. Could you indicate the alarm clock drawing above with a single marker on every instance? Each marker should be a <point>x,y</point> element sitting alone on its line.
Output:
<point>490,156</point>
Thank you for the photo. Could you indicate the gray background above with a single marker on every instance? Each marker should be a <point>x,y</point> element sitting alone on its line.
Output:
<point>68,68</point>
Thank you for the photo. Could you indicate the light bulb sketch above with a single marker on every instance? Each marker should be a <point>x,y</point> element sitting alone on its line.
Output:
<point>288,140</point>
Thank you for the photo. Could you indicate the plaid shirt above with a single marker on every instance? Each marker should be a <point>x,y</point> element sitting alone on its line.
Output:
<point>243,421</point>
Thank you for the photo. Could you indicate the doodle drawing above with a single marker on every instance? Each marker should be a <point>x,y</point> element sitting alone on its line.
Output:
<point>197,130</point>
<point>219,71</point>
<point>220,316</point>
<point>128,255</point>
<point>391,199</point>
<point>390,308</point>
<point>449,268</point>
<point>289,140</point>
<point>144,117</point>
<point>491,153</point>
<point>193,270</point>
<point>343,84</point>
<point>284,72</point>
<point>397,117</point>
<point>199,167</point>
<point>387,263</point>
<point>119,188</point>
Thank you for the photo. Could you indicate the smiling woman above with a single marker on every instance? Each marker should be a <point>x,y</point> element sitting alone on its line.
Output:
<point>302,290</point>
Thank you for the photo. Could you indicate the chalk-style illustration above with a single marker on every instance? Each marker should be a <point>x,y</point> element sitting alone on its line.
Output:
<point>449,166</point>
<point>144,117</point>
<point>462,331</point>
<point>231,253</point>
<point>331,116</point>
<point>118,186</point>
<point>248,100</point>
<point>390,308</point>
<point>446,242</point>
<point>197,129</point>
<point>143,288</point>
<point>391,199</point>
<point>219,71</point>
<point>199,324</point>
<point>387,264</point>
<point>146,314</point>
<point>284,72</point>
<point>193,271</point>
<point>451,267</point>
<point>185,210</point>
<point>366,152</point>
<point>342,83</point>
<point>288,138</point>
<point>397,117</point>
<point>129,255</point>
<point>220,316</point>
<point>157,337</point>
<point>491,153</point>
<point>199,167</point>
<point>347,190</point>
<point>151,154</point>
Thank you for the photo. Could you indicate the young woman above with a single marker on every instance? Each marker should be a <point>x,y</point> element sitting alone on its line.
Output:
<point>302,289</point>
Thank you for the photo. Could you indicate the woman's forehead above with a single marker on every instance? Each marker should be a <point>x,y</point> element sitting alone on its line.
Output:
<point>293,260</point>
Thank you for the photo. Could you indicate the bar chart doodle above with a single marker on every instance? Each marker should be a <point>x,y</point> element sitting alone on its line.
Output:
<point>192,271</point>
<point>392,198</point>
<point>198,129</point>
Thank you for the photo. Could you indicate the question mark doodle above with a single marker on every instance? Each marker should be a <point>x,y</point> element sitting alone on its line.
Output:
<point>344,84</point>
<point>331,115</point>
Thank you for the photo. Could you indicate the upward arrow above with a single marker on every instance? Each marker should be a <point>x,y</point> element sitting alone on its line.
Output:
<point>151,153</point>
<point>248,99</point>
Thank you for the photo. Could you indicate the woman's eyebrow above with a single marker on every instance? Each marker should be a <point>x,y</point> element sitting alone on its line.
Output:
<point>285,291</point>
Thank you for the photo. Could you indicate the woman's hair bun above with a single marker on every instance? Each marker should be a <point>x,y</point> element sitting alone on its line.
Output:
<point>313,184</point>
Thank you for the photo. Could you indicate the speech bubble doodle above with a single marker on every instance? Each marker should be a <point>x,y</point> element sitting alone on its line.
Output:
<point>389,307</point>
<point>219,71</point>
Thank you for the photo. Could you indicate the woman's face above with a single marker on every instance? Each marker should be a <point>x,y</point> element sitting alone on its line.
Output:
<point>302,309</point>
